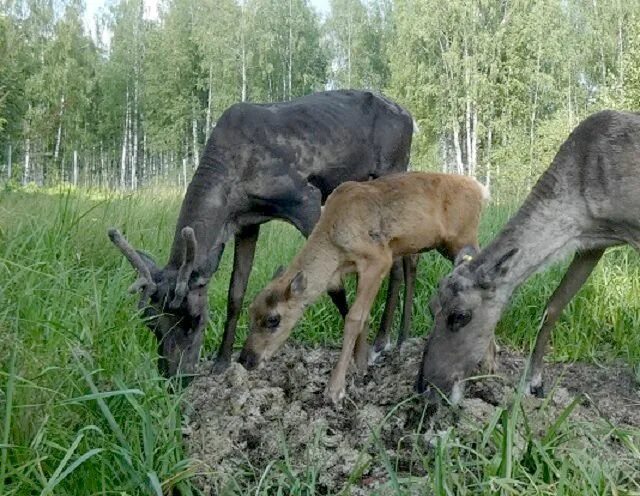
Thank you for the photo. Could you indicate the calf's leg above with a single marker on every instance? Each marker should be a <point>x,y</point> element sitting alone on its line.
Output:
<point>410,266</point>
<point>370,274</point>
<point>382,341</point>
<point>581,266</point>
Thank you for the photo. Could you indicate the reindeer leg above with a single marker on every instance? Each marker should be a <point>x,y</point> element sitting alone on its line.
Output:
<point>369,279</point>
<point>410,266</point>
<point>581,266</point>
<point>382,341</point>
<point>244,249</point>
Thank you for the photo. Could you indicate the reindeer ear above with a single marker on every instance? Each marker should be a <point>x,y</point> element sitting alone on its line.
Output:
<point>297,285</point>
<point>466,254</point>
<point>148,260</point>
<point>487,277</point>
<point>279,271</point>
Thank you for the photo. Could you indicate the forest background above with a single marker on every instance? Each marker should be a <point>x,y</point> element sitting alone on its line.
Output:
<point>124,99</point>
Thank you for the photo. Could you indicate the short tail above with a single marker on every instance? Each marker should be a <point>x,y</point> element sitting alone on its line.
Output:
<point>486,194</point>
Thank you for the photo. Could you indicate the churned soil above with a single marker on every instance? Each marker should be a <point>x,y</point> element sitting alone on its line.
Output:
<point>239,423</point>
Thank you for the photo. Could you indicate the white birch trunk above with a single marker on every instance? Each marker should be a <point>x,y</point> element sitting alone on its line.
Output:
<point>184,173</point>
<point>487,182</point>
<point>102,168</point>
<point>9,163</point>
<point>456,145</point>
<point>290,45</point>
<point>244,56</point>
<point>56,151</point>
<point>349,49</point>
<point>209,97</point>
<point>533,118</point>
<point>130,138</point>
<point>467,81</point>
<point>27,157</point>
<point>134,148</point>
<point>75,168</point>
<point>123,160</point>
<point>194,134</point>
<point>474,143</point>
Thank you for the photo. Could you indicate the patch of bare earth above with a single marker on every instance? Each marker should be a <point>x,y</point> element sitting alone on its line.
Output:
<point>240,422</point>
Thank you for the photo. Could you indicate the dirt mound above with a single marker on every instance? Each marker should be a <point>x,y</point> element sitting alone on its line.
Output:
<point>242,421</point>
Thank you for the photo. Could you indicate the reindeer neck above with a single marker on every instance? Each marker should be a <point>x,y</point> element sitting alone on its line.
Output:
<point>319,261</point>
<point>543,231</point>
<point>206,209</point>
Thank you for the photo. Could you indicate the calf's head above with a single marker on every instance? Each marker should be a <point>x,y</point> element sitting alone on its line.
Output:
<point>173,302</point>
<point>465,310</point>
<point>272,317</point>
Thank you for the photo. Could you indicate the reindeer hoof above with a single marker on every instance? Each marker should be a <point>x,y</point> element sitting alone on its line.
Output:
<point>535,385</point>
<point>537,391</point>
<point>378,349</point>
<point>219,365</point>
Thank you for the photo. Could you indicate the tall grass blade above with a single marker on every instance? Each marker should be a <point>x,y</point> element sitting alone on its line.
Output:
<point>7,415</point>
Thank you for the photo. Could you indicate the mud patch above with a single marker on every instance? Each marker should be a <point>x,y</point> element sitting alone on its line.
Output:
<point>240,423</point>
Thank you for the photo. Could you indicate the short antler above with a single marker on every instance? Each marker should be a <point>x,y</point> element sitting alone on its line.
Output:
<point>188,257</point>
<point>145,281</point>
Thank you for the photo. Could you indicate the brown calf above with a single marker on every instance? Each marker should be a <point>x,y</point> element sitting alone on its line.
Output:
<point>364,226</point>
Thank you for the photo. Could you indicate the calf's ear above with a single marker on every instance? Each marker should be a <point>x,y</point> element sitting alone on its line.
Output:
<point>297,285</point>
<point>279,271</point>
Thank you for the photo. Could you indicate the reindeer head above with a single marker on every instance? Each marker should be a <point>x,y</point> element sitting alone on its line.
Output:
<point>272,317</point>
<point>173,302</point>
<point>465,310</point>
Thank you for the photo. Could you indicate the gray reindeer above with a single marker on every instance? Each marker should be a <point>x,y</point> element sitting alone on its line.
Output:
<point>262,162</point>
<point>587,201</point>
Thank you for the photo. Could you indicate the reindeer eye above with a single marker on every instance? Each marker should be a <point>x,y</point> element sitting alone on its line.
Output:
<point>272,321</point>
<point>458,319</point>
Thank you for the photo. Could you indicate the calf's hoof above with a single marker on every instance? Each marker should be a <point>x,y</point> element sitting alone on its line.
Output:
<point>361,358</point>
<point>335,393</point>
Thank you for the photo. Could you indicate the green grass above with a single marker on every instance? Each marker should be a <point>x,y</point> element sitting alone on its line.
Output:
<point>84,411</point>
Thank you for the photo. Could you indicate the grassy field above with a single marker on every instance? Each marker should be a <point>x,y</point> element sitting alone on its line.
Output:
<point>83,409</point>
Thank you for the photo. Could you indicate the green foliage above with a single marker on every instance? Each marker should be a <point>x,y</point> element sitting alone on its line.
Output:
<point>85,412</point>
<point>485,80</point>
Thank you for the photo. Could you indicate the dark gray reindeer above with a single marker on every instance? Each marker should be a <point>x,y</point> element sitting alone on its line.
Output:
<point>262,162</point>
<point>588,200</point>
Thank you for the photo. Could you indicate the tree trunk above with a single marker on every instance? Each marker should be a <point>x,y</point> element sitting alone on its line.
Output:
<point>487,182</point>
<point>456,145</point>
<point>467,120</point>
<point>194,133</point>
<point>134,131</point>
<point>290,46</point>
<point>102,171</point>
<point>349,48</point>
<point>533,117</point>
<point>27,152</point>
<point>75,168</point>
<point>207,125</point>
<point>56,151</point>
<point>244,55</point>
<point>473,161</point>
<point>184,173</point>
<point>9,158</point>
<point>123,161</point>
